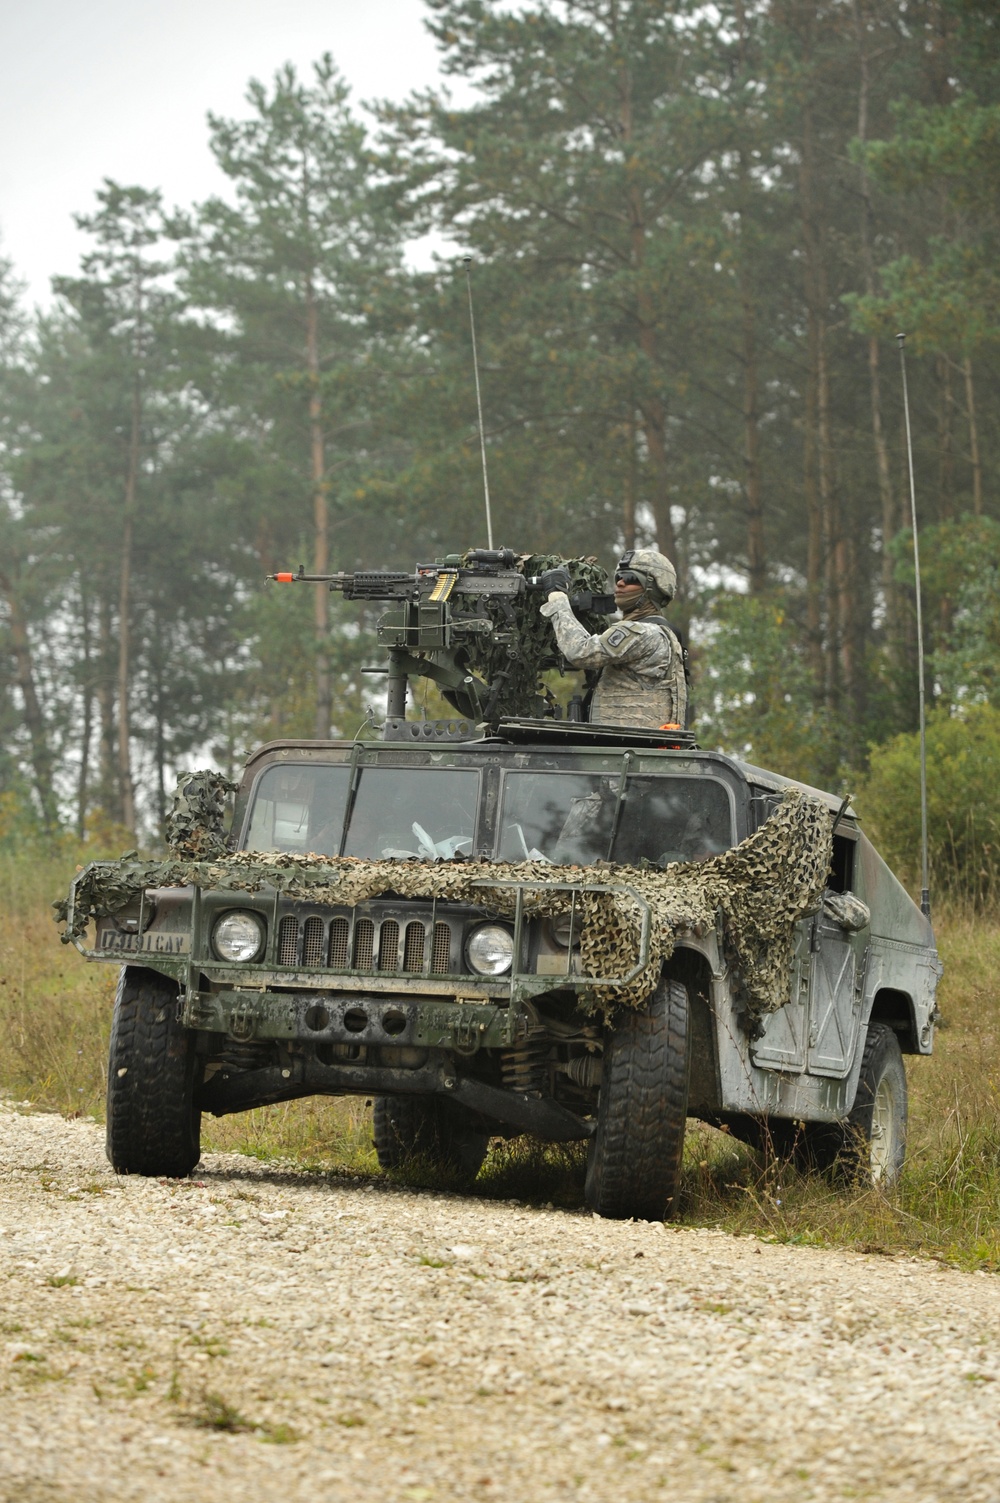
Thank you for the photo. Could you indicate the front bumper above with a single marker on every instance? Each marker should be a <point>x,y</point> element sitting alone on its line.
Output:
<point>361,1019</point>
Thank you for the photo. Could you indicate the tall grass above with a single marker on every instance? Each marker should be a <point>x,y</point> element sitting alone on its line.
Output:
<point>55,1012</point>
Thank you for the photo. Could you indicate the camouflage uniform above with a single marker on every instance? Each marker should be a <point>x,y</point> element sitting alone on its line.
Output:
<point>642,669</point>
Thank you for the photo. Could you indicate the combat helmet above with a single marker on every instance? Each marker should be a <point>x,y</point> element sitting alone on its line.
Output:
<point>653,569</point>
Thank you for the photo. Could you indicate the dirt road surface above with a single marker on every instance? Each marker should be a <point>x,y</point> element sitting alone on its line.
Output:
<point>359,1341</point>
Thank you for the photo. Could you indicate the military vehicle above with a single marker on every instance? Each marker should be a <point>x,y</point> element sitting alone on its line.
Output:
<point>514,924</point>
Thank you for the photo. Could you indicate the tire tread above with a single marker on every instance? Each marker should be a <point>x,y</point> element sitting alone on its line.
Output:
<point>153,1127</point>
<point>636,1155</point>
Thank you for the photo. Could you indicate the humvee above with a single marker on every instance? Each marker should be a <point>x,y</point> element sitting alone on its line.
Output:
<point>463,1017</point>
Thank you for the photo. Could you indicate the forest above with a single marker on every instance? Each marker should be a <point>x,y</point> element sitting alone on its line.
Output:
<point>695,233</point>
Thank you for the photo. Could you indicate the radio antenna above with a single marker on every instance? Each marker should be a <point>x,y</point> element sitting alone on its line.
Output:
<point>925,895</point>
<point>467,260</point>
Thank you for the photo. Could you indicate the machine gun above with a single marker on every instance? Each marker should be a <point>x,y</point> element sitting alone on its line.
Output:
<point>470,622</point>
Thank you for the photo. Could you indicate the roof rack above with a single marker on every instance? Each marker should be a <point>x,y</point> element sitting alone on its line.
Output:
<point>583,733</point>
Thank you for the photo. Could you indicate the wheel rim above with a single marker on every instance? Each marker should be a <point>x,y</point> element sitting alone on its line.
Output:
<point>884,1134</point>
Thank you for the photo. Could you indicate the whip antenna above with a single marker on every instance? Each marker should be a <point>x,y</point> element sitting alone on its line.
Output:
<point>925,895</point>
<point>467,260</point>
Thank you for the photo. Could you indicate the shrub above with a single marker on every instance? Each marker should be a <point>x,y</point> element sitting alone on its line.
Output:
<point>756,696</point>
<point>963,800</point>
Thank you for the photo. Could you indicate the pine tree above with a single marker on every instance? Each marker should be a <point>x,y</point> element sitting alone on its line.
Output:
<point>124,306</point>
<point>286,283</point>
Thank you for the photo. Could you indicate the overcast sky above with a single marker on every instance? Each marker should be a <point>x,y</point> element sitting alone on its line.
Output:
<point>119,88</point>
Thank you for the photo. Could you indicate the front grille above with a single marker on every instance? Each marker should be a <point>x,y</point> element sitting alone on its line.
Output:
<point>364,944</point>
<point>388,946</point>
<point>413,948</point>
<point>340,934</point>
<point>313,947</point>
<point>441,953</point>
<point>383,945</point>
<point>288,941</point>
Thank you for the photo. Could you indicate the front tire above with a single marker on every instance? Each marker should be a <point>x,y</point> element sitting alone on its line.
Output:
<point>154,1127</point>
<point>414,1128</point>
<point>634,1162</point>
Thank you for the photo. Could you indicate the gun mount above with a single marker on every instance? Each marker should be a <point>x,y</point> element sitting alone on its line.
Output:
<point>471,624</point>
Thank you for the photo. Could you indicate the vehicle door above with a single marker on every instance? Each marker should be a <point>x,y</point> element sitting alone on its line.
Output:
<point>839,943</point>
<point>816,1031</point>
<point>784,1042</point>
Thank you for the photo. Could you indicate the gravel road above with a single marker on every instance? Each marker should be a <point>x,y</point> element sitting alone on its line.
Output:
<point>366,1342</point>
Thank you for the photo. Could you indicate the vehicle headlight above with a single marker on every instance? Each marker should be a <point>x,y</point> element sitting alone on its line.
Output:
<point>238,936</point>
<point>559,928</point>
<point>490,950</point>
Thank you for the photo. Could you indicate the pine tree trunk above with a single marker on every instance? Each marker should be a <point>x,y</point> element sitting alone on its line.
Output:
<point>87,723</point>
<point>946,505</point>
<point>977,467</point>
<point>161,748</point>
<point>321,547</point>
<point>631,466</point>
<point>814,547</point>
<point>110,791</point>
<point>838,654</point>
<point>819,561</point>
<point>34,719</point>
<point>124,616</point>
<point>833,542</point>
<point>887,497</point>
<point>882,467</point>
<point>756,557</point>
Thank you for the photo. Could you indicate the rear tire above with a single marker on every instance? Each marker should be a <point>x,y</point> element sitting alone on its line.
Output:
<point>154,1127</point>
<point>413,1128</point>
<point>634,1163</point>
<point>868,1146</point>
<point>874,1145</point>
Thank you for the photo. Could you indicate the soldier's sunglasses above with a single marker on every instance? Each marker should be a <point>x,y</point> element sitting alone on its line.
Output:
<point>628,576</point>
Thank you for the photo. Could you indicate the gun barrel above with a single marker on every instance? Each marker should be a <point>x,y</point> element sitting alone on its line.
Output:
<point>373,584</point>
<point>303,578</point>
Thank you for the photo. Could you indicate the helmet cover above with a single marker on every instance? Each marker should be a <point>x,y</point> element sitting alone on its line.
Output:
<point>658,568</point>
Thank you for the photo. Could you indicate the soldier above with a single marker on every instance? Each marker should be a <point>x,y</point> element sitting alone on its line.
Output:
<point>641,661</point>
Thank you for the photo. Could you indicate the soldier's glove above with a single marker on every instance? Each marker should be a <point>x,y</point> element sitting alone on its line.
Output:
<point>552,579</point>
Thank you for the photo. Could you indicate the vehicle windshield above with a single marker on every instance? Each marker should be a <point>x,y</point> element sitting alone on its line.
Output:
<point>568,818</point>
<point>397,812</point>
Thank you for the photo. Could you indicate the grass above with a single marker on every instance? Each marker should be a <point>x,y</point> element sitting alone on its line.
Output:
<point>55,1010</point>
<point>55,1013</point>
<point>213,1412</point>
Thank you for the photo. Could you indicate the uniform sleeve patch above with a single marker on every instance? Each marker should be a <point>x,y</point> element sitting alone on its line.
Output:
<point>617,637</point>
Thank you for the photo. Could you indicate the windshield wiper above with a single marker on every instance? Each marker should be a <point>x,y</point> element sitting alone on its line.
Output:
<point>627,761</point>
<point>352,792</point>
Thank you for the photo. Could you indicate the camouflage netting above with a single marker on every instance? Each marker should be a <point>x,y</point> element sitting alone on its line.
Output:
<point>760,888</point>
<point>196,822</point>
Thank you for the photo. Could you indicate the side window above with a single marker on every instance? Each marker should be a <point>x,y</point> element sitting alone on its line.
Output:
<point>841,878</point>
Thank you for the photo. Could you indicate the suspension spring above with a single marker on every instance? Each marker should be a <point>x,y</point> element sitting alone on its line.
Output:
<point>525,1067</point>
